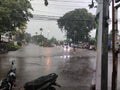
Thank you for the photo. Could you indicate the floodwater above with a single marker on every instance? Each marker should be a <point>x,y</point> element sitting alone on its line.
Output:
<point>74,71</point>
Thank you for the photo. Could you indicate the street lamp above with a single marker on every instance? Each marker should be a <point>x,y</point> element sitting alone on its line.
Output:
<point>48,34</point>
<point>36,35</point>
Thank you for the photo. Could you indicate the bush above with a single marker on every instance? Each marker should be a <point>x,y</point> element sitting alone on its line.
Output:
<point>12,47</point>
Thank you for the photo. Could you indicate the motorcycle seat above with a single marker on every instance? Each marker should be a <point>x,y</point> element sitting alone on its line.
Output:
<point>41,81</point>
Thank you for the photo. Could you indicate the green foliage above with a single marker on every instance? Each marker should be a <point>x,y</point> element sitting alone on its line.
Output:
<point>14,14</point>
<point>39,39</point>
<point>20,36</point>
<point>12,47</point>
<point>92,41</point>
<point>77,24</point>
<point>27,37</point>
<point>53,40</point>
<point>42,41</point>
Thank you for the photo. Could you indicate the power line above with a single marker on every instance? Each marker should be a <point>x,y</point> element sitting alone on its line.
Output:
<point>44,16</point>
<point>47,12</point>
<point>66,1</point>
<point>66,5</point>
<point>55,18</point>
<point>69,1</point>
<point>74,1</point>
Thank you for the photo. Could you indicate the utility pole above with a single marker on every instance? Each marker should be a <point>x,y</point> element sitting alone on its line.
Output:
<point>104,55</point>
<point>115,44</point>
<point>74,41</point>
<point>102,45</point>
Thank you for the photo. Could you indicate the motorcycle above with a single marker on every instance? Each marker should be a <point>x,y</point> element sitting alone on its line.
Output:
<point>9,81</point>
<point>46,82</point>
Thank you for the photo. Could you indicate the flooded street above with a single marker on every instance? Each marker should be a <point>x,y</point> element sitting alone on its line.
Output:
<point>74,71</point>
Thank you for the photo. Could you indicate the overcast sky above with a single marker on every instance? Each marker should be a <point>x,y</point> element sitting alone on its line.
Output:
<point>56,8</point>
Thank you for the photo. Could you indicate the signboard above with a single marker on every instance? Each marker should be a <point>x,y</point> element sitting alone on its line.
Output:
<point>116,1</point>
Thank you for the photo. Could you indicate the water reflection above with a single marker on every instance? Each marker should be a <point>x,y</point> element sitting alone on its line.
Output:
<point>65,56</point>
<point>48,59</point>
<point>48,52</point>
<point>67,49</point>
<point>48,63</point>
<point>31,62</point>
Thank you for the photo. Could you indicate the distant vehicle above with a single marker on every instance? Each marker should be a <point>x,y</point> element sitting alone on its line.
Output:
<point>74,45</point>
<point>65,45</point>
<point>91,47</point>
<point>80,46</point>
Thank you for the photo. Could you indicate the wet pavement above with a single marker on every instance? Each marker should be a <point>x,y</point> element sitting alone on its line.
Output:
<point>74,69</point>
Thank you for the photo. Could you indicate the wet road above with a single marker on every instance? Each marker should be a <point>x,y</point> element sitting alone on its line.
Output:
<point>74,71</point>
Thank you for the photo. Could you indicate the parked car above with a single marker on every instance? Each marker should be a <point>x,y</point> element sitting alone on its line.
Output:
<point>74,45</point>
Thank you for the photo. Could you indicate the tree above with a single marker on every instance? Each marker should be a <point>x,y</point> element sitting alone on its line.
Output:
<point>19,35</point>
<point>77,24</point>
<point>28,37</point>
<point>14,14</point>
<point>53,40</point>
<point>37,39</point>
<point>4,20</point>
<point>41,30</point>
